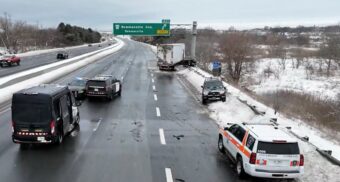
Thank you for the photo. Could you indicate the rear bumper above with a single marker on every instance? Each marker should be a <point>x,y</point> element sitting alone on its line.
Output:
<point>166,67</point>
<point>96,95</point>
<point>215,97</point>
<point>33,139</point>
<point>272,173</point>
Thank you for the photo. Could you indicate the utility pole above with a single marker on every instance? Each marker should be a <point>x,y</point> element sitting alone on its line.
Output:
<point>193,40</point>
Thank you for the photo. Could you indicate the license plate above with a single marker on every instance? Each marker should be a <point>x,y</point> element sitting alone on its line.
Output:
<point>96,90</point>
<point>41,139</point>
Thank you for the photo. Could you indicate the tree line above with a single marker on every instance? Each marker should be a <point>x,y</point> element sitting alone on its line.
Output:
<point>19,36</point>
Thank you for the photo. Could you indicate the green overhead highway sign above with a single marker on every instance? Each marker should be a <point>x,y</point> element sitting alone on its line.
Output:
<point>142,29</point>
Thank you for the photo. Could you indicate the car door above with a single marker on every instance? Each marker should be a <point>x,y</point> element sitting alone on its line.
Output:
<point>236,140</point>
<point>229,139</point>
<point>65,112</point>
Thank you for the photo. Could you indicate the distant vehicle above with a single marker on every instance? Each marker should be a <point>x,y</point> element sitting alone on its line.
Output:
<point>99,45</point>
<point>109,44</point>
<point>105,86</point>
<point>213,89</point>
<point>77,87</point>
<point>62,55</point>
<point>169,55</point>
<point>9,60</point>
<point>90,45</point>
<point>261,150</point>
<point>43,114</point>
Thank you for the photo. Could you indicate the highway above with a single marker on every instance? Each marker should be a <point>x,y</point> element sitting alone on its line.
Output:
<point>155,132</point>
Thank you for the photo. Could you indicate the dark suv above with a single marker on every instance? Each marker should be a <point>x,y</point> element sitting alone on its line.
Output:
<point>213,89</point>
<point>105,86</point>
<point>43,114</point>
<point>62,55</point>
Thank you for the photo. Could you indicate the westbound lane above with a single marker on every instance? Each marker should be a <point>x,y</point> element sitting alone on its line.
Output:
<point>121,140</point>
<point>29,62</point>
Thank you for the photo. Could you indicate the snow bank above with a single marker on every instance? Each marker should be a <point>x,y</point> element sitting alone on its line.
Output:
<point>233,110</point>
<point>7,92</point>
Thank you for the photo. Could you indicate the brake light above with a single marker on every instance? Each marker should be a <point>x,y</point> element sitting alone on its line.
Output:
<point>52,126</point>
<point>252,159</point>
<point>302,160</point>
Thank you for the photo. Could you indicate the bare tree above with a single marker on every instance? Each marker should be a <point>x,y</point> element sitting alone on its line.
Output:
<point>330,51</point>
<point>237,53</point>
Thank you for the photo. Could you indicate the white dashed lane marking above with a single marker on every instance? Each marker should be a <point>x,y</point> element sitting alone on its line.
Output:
<point>158,112</point>
<point>155,97</point>
<point>168,175</point>
<point>161,136</point>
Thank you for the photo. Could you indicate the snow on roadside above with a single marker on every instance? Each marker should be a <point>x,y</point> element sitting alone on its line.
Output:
<point>317,168</point>
<point>293,79</point>
<point>7,92</point>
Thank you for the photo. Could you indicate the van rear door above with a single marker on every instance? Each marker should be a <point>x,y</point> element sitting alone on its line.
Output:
<point>31,117</point>
<point>278,157</point>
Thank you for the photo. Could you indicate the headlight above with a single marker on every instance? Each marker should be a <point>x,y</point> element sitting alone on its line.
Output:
<point>205,92</point>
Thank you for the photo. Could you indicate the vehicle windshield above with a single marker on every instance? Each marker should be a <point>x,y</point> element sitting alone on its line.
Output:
<point>214,84</point>
<point>78,82</point>
<point>277,148</point>
<point>30,113</point>
<point>93,83</point>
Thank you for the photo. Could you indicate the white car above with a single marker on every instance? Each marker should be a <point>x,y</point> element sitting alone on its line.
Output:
<point>261,150</point>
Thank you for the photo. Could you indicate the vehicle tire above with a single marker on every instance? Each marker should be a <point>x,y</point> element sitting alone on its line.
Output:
<point>110,97</point>
<point>1,65</point>
<point>120,91</point>
<point>239,168</point>
<point>220,145</point>
<point>204,101</point>
<point>60,137</point>
<point>24,146</point>
<point>223,100</point>
<point>18,63</point>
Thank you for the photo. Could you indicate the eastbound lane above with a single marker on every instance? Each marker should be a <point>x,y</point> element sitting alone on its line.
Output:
<point>34,61</point>
<point>127,139</point>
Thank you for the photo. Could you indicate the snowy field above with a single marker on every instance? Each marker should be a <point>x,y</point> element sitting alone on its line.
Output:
<point>317,168</point>
<point>294,79</point>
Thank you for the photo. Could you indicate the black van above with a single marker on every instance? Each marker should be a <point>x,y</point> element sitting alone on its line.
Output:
<point>43,114</point>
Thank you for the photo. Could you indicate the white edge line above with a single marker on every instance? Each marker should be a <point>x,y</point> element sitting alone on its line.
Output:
<point>95,129</point>
<point>158,112</point>
<point>153,81</point>
<point>161,136</point>
<point>168,175</point>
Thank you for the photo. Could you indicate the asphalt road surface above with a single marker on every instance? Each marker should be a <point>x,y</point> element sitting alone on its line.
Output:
<point>156,131</point>
<point>29,62</point>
